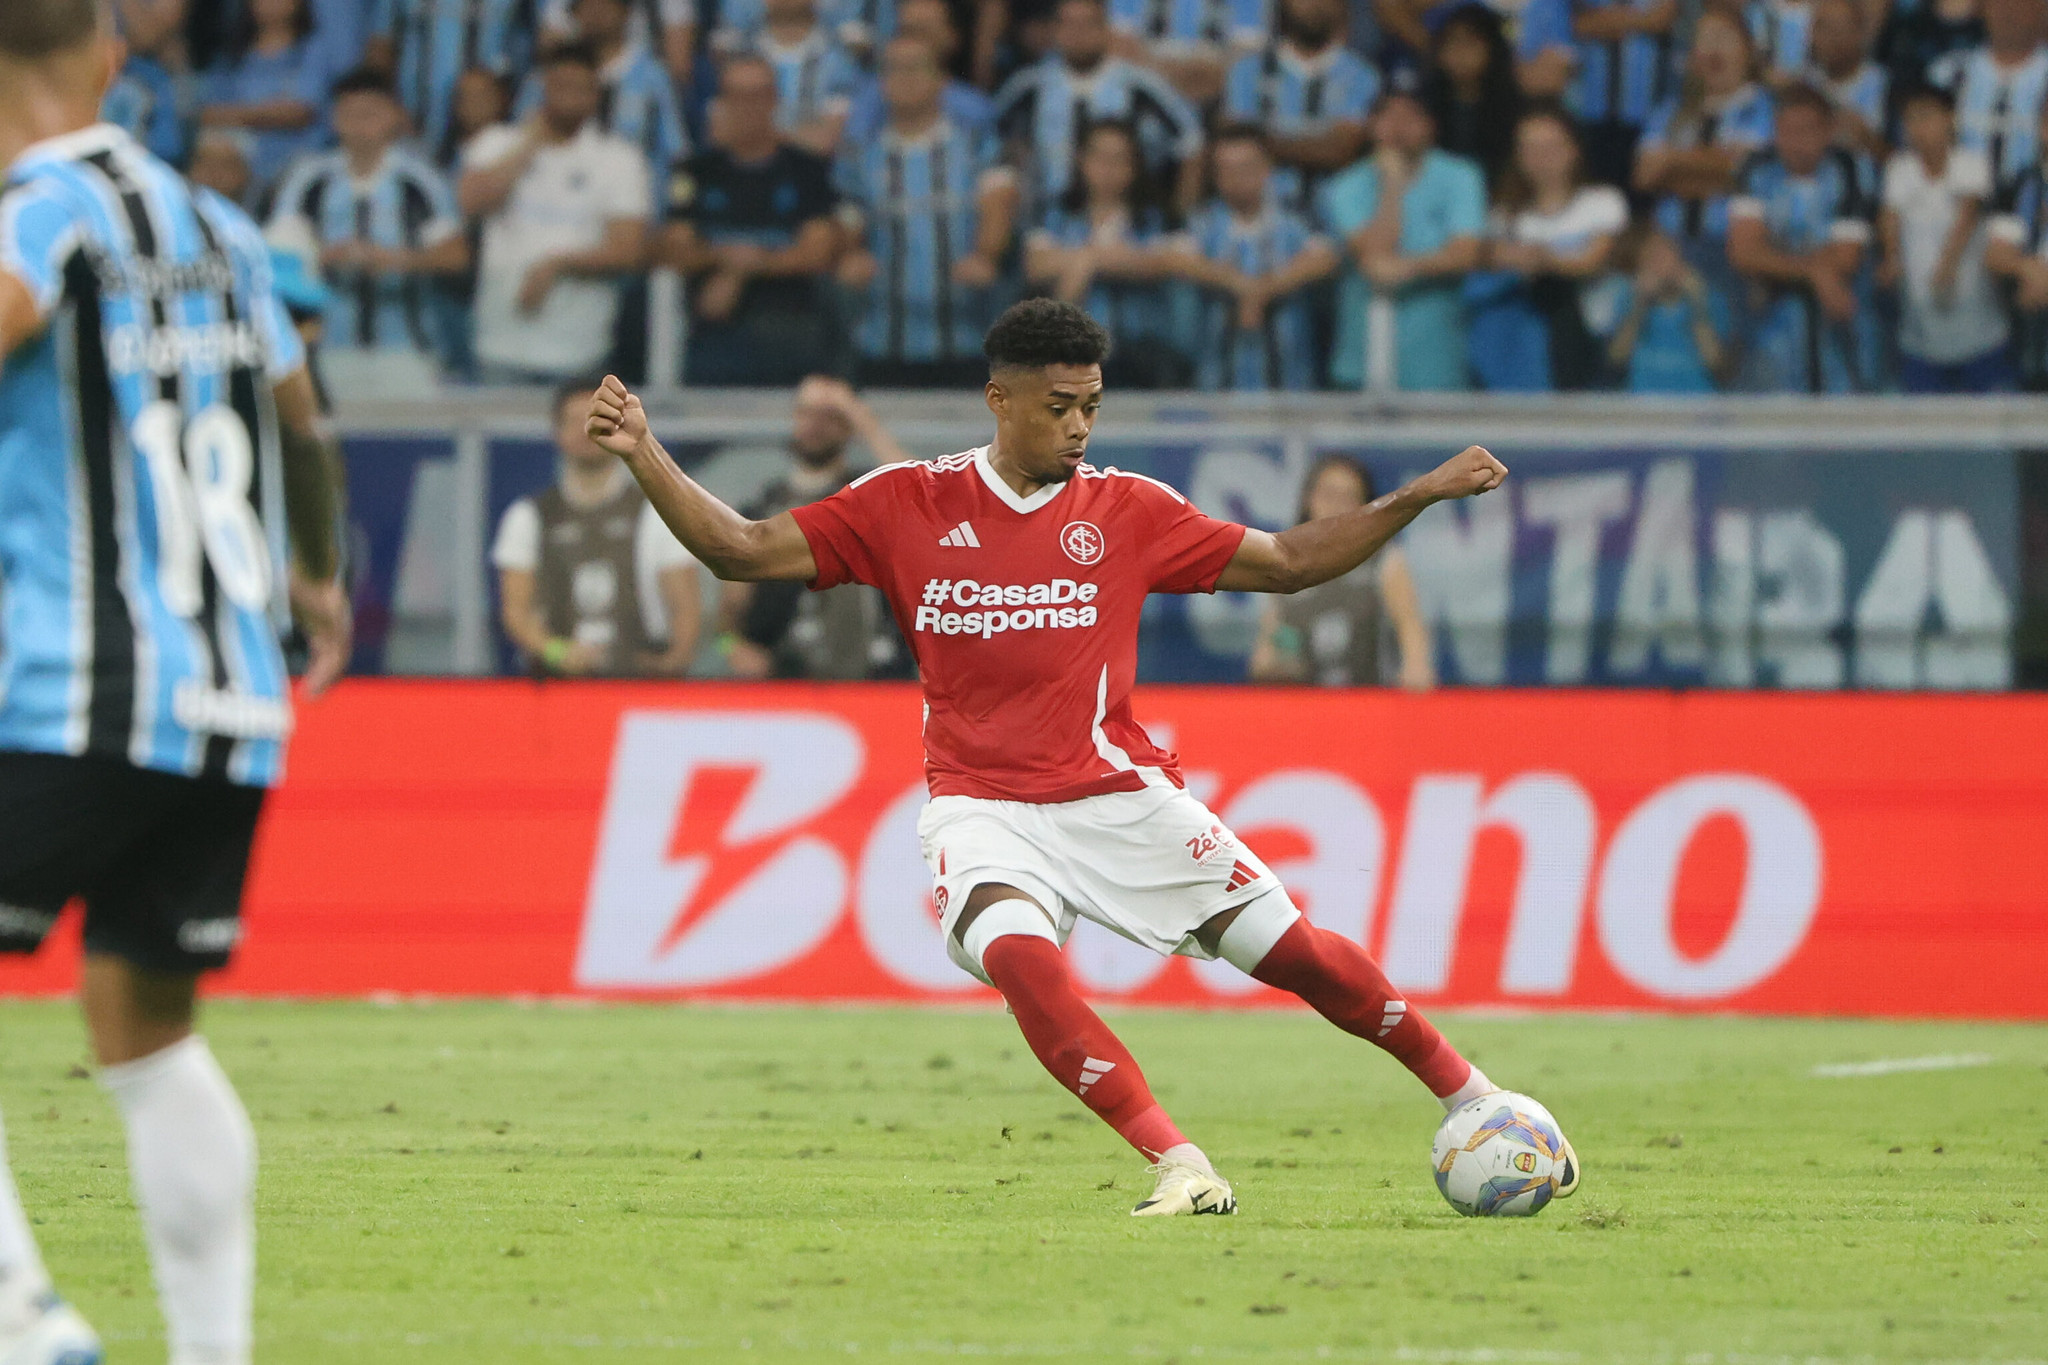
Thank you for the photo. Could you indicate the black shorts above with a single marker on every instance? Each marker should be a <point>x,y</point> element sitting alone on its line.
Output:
<point>159,860</point>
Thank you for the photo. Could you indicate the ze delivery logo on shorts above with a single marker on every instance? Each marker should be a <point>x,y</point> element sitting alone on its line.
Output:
<point>1061,604</point>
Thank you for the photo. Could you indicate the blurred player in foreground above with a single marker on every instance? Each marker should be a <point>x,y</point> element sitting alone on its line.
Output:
<point>1017,572</point>
<point>157,425</point>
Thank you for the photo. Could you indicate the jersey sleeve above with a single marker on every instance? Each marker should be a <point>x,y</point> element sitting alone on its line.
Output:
<point>38,234</point>
<point>1185,551</point>
<point>284,353</point>
<point>848,532</point>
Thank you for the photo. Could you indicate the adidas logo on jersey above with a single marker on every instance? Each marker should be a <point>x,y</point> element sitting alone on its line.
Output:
<point>1241,876</point>
<point>962,537</point>
<point>1093,1071</point>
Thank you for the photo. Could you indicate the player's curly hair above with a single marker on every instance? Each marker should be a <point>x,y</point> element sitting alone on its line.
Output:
<point>1039,332</point>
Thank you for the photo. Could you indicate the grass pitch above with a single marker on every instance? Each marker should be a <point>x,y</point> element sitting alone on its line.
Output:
<point>484,1184</point>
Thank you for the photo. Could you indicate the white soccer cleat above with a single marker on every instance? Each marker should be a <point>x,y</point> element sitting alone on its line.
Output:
<point>1185,1189</point>
<point>55,1335</point>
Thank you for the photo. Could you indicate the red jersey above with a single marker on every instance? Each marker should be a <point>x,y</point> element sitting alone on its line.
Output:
<point>1022,613</point>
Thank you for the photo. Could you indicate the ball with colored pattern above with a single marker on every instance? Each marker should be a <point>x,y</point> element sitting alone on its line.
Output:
<point>1499,1156</point>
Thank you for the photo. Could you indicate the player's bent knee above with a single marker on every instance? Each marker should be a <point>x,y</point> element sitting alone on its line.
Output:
<point>1014,915</point>
<point>1258,926</point>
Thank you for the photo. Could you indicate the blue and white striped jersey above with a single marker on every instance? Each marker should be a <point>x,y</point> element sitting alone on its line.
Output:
<point>405,203</point>
<point>1806,212</point>
<point>1998,110</point>
<point>1793,347</point>
<point>813,78</point>
<point>1292,95</point>
<point>918,200</point>
<point>1862,93</point>
<point>638,104</point>
<point>1043,110</point>
<point>861,25</point>
<point>1279,355</point>
<point>141,489</point>
<point>143,102</point>
<point>437,40</point>
<point>1783,33</point>
<point>1743,123</point>
<point>649,19</point>
<point>1619,81</point>
<point>1132,310</point>
<point>1180,25</point>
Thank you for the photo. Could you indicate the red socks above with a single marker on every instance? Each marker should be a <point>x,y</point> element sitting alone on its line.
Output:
<point>1347,988</point>
<point>1073,1043</point>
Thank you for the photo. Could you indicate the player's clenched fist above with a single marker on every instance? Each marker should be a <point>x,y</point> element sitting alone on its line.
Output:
<point>617,421</point>
<point>1472,470</point>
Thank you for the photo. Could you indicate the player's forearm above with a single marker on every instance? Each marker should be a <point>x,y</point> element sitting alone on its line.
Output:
<point>722,540</point>
<point>312,479</point>
<point>1330,547</point>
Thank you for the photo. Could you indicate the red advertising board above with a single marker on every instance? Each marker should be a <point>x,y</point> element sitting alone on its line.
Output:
<point>1805,854</point>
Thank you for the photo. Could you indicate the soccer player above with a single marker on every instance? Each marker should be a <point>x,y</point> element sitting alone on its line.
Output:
<point>155,416</point>
<point>1017,572</point>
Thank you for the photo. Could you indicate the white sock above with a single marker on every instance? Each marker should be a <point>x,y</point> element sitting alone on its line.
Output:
<point>192,1157</point>
<point>1186,1154</point>
<point>22,1278</point>
<point>1475,1085</point>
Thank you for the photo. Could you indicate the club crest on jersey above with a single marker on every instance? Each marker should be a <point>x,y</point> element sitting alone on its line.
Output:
<point>1082,540</point>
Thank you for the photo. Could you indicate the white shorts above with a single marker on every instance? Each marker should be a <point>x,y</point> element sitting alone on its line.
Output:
<point>1153,865</point>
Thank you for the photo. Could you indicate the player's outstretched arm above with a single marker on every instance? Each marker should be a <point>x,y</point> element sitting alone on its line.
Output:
<point>312,506</point>
<point>1318,551</point>
<point>730,545</point>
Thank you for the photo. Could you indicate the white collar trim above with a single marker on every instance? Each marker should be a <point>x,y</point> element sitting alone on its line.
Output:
<point>99,137</point>
<point>1011,498</point>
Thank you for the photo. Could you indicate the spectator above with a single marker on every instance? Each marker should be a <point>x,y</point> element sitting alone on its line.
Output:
<point>1336,634</point>
<point>1043,110</point>
<point>1312,95</point>
<point>1952,328</point>
<point>1782,31</point>
<point>426,45</point>
<point>779,630</point>
<point>1673,329</point>
<point>1257,258</point>
<point>931,212</point>
<point>384,220</point>
<point>750,227</point>
<point>1798,226</point>
<point>639,99</point>
<point>482,98</point>
<point>143,101</point>
<point>1552,236</point>
<point>1915,37</point>
<point>590,582</point>
<point>1111,247</point>
<point>1191,44</point>
<point>962,104</point>
<point>1843,71</point>
<point>855,25</point>
<point>1693,146</point>
<point>2014,252</point>
<point>675,42</point>
<point>565,208</point>
<point>272,87</point>
<point>1471,90</point>
<point>815,80</point>
<point>2001,86</point>
<point>1621,72</point>
<point>220,162</point>
<point>1412,218</point>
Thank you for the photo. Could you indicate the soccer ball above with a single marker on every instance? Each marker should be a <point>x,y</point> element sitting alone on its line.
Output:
<point>1499,1156</point>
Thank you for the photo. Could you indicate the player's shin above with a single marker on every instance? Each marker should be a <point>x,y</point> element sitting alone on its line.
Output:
<point>192,1157</point>
<point>1073,1043</point>
<point>1347,987</point>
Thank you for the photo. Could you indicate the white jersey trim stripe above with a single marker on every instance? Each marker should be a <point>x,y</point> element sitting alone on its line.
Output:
<point>1111,753</point>
<point>1009,495</point>
<point>1091,472</point>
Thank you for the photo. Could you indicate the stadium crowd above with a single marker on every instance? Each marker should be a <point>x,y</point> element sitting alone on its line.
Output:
<point>1522,195</point>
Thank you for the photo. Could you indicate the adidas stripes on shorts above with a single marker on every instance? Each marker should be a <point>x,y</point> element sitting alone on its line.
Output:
<point>1153,865</point>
